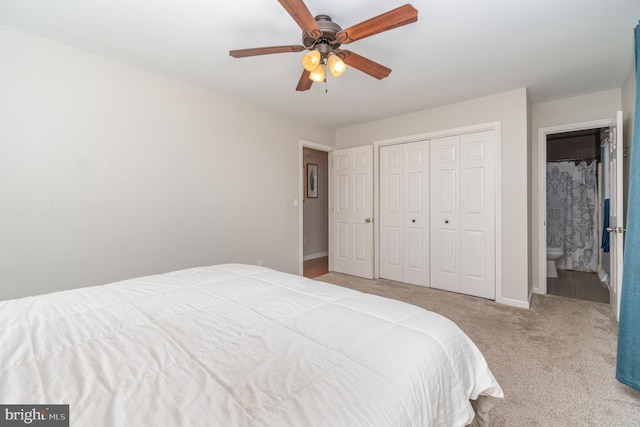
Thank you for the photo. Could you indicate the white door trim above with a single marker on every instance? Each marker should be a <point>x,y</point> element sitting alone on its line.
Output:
<point>541,271</point>
<point>302,144</point>
<point>616,160</point>
<point>490,126</point>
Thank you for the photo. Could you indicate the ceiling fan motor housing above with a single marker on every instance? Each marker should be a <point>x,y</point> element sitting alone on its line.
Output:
<point>327,41</point>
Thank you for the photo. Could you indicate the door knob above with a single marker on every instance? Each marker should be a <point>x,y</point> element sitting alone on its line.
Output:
<point>368,220</point>
<point>413,220</point>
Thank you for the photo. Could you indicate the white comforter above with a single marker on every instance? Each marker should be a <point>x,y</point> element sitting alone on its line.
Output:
<point>238,345</point>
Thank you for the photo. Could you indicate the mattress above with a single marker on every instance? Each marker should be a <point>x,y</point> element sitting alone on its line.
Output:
<point>238,345</point>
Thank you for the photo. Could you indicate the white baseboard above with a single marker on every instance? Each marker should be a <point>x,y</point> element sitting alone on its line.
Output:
<point>603,275</point>
<point>604,278</point>
<point>514,303</point>
<point>314,256</point>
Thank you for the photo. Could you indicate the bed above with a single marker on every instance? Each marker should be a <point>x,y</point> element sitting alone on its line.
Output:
<point>238,345</point>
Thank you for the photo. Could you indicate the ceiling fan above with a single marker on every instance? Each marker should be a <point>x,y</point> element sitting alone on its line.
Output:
<point>322,38</point>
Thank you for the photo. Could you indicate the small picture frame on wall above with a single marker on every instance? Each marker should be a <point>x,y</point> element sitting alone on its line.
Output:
<point>312,181</point>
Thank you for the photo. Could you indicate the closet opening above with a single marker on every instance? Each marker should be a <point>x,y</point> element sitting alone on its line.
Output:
<point>577,214</point>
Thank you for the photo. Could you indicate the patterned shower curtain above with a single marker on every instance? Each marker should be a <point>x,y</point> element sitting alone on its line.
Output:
<point>572,215</point>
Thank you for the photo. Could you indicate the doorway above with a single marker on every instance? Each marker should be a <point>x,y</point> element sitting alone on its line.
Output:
<point>573,279</point>
<point>577,178</point>
<point>314,209</point>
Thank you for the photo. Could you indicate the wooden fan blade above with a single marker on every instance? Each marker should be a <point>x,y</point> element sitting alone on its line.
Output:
<point>305,82</point>
<point>363,64</point>
<point>398,17</point>
<point>300,13</point>
<point>242,53</point>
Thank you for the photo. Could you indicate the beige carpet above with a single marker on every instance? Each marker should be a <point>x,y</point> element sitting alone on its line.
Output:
<point>555,362</point>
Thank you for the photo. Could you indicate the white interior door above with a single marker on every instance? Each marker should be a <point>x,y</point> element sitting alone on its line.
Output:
<point>352,208</point>
<point>616,225</point>
<point>404,212</point>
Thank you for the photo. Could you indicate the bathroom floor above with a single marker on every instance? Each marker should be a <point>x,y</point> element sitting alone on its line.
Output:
<point>578,285</point>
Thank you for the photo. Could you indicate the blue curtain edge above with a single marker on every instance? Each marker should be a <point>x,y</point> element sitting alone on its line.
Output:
<point>627,360</point>
<point>627,381</point>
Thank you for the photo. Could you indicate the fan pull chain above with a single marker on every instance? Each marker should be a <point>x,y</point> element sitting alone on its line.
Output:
<point>326,85</point>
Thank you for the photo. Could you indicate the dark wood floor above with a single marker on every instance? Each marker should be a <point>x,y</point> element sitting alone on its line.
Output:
<point>316,267</point>
<point>578,285</point>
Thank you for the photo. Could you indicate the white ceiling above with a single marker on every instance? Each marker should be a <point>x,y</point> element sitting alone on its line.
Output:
<point>458,49</point>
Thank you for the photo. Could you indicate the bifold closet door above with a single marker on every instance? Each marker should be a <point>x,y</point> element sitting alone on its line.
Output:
<point>463,214</point>
<point>404,213</point>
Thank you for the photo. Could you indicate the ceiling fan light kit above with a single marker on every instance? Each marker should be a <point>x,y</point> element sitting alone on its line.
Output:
<point>322,38</point>
<point>317,75</point>
<point>336,65</point>
<point>311,60</point>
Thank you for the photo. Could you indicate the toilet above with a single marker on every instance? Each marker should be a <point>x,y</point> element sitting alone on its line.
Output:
<point>552,255</point>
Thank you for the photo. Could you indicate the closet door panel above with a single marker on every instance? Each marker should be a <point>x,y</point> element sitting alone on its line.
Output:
<point>447,265</point>
<point>478,214</point>
<point>414,227</point>
<point>416,213</point>
<point>474,190</point>
<point>393,258</point>
<point>448,191</point>
<point>391,204</point>
<point>445,213</point>
<point>474,257</point>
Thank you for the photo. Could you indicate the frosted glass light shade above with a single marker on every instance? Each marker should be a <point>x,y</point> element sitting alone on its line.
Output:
<point>317,75</point>
<point>336,65</point>
<point>311,60</point>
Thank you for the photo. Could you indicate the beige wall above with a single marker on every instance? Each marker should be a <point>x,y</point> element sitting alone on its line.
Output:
<point>510,109</point>
<point>568,111</point>
<point>594,106</point>
<point>108,171</point>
